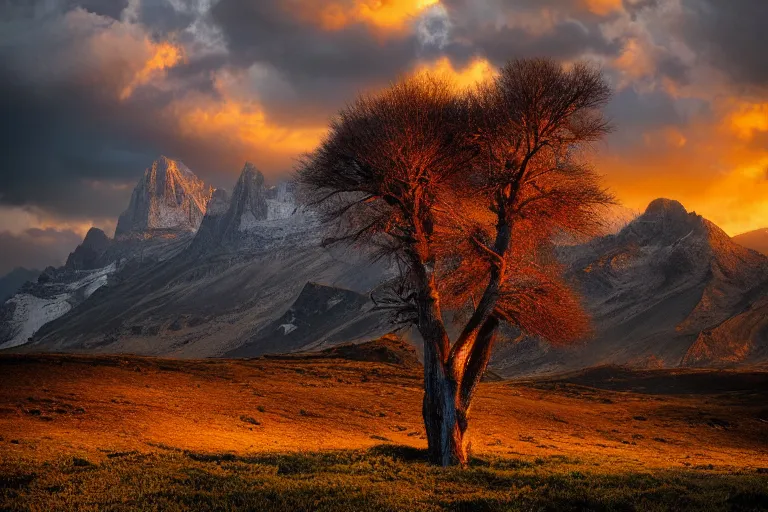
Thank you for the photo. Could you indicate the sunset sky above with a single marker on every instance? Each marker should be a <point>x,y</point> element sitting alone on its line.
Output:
<point>91,91</point>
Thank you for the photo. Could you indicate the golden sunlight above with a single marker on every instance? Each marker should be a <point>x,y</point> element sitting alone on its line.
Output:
<point>749,118</point>
<point>165,55</point>
<point>381,14</point>
<point>244,126</point>
<point>603,7</point>
<point>476,71</point>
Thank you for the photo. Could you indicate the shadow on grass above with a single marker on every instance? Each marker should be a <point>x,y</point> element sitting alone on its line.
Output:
<point>386,477</point>
<point>399,452</point>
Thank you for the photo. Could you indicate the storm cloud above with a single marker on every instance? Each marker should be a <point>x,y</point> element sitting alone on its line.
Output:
<point>92,91</point>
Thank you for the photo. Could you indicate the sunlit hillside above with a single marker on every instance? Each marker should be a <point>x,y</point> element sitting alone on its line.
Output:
<point>343,431</point>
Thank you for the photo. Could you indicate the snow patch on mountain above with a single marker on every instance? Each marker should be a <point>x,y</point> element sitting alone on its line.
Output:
<point>30,313</point>
<point>94,280</point>
<point>39,303</point>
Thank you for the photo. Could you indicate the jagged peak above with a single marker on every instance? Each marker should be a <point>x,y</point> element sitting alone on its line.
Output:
<point>169,196</point>
<point>95,234</point>
<point>251,173</point>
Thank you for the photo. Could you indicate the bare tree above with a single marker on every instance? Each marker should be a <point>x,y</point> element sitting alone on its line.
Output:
<point>467,191</point>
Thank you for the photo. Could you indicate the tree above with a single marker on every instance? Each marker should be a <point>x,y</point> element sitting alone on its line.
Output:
<point>467,191</point>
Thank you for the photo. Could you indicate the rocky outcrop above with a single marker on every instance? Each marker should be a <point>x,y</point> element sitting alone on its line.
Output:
<point>254,218</point>
<point>168,197</point>
<point>320,316</point>
<point>210,233</point>
<point>248,204</point>
<point>89,254</point>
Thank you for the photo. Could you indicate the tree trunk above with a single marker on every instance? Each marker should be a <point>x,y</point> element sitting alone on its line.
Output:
<point>448,395</point>
<point>445,422</point>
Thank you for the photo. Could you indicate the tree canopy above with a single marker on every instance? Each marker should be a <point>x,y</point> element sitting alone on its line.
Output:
<point>468,192</point>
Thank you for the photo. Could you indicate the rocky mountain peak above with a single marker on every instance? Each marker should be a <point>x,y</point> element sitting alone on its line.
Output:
<point>664,222</point>
<point>250,170</point>
<point>248,204</point>
<point>95,239</point>
<point>88,254</point>
<point>168,197</point>
<point>666,207</point>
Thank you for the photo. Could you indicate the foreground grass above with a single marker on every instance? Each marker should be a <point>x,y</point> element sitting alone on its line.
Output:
<point>380,479</point>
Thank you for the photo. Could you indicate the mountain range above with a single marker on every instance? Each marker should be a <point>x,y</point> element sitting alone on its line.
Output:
<point>757,240</point>
<point>198,272</point>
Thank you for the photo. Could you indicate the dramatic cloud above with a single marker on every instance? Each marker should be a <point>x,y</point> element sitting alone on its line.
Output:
<point>36,248</point>
<point>730,36</point>
<point>92,91</point>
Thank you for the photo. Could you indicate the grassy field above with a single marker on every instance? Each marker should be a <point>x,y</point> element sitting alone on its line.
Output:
<point>386,477</point>
<point>124,433</point>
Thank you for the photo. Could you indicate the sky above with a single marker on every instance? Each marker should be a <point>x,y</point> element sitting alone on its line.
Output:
<point>91,91</point>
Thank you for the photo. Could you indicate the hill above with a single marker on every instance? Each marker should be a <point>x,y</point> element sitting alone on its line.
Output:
<point>335,433</point>
<point>756,240</point>
<point>670,289</point>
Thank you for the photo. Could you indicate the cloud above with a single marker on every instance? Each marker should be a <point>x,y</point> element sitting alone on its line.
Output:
<point>165,55</point>
<point>36,248</point>
<point>92,91</point>
<point>729,36</point>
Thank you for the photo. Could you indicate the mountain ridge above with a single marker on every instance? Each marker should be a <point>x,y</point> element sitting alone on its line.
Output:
<point>756,240</point>
<point>669,289</point>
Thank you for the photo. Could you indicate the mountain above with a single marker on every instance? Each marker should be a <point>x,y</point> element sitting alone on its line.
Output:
<point>254,218</point>
<point>669,289</point>
<point>320,316</point>
<point>169,196</point>
<point>250,260</point>
<point>89,254</point>
<point>166,207</point>
<point>654,289</point>
<point>13,280</point>
<point>756,240</point>
<point>55,292</point>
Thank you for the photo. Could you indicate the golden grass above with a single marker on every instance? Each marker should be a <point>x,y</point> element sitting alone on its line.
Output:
<point>217,432</point>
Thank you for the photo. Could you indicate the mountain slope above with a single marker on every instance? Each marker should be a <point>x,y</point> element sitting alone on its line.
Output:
<point>253,254</point>
<point>320,316</point>
<point>166,206</point>
<point>652,290</point>
<point>756,240</point>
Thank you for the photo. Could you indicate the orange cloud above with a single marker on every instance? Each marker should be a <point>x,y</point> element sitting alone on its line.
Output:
<point>476,71</point>
<point>163,56</point>
<point>710,165</point>
<point>381,14</point>
<point>234,120</point>
<point>244,124</point>
<point>749,118</point>
<point>603,7</point>
<point>17,220</point>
